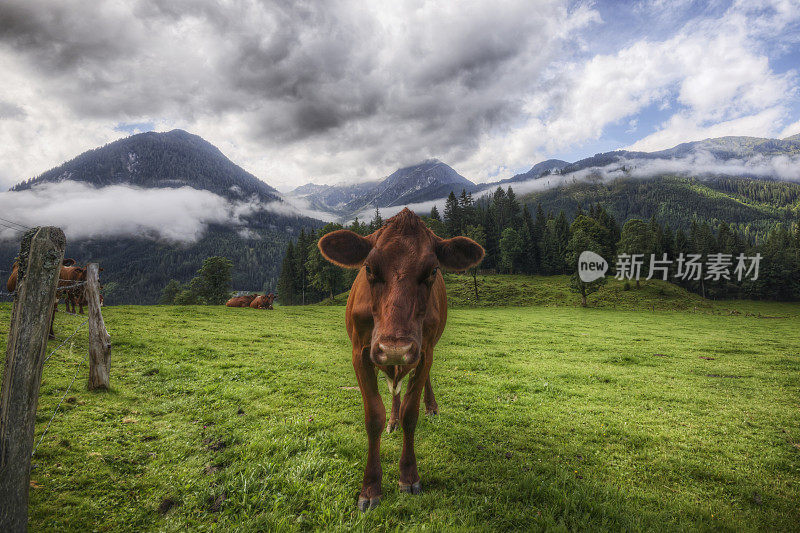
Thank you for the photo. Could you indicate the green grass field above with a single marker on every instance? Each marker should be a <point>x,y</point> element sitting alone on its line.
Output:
<point>552,417</point>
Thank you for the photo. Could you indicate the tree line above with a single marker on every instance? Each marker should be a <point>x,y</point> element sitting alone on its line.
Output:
<point>518,241</point>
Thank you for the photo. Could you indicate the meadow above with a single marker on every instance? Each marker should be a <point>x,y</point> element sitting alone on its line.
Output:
<point>625,416</point>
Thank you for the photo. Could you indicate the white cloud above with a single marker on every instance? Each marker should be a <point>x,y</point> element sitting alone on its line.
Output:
<point>683,128</point>
<point>84,212</point>
<point>347,91</point>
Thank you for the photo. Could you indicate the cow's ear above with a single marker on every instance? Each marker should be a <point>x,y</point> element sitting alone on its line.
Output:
<point>344,248</point>
<point>458,253</point>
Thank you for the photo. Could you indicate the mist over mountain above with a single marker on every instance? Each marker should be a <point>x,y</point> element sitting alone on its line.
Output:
<point>538,170</point>
<point>152,207</point>
<point>424,181</point>
<point>722,149</point>
<point>423,184</point>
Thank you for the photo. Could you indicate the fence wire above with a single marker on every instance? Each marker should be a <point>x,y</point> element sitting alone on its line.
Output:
<point>69,387</point>
<point>74,377</point>
<point>65,341</point>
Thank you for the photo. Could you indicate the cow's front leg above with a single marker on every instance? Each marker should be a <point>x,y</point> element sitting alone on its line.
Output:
<point>394,417</point>
<point>409,413</point>
<point>375,420</point>
<point>431,407</point>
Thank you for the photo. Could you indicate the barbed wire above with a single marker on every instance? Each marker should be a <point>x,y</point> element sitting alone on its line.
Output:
<point>76,284</point>
<point>12,228</point>
<point>67,313</point>
<point>77,371</point>
<point>15,223</point>
<point>64,342</point>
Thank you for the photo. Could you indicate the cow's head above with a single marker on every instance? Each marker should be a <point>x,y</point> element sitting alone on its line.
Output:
<point>401,262</point>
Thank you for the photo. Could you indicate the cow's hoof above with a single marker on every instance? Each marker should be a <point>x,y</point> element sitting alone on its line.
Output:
<point>392,425</point>
<point>365,504</point>
<point>414,488</point>
<point>432,410</point>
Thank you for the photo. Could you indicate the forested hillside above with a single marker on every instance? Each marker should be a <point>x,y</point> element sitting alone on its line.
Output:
<point>752,207</point>
<point>135,271</point>
<point>547,242</point>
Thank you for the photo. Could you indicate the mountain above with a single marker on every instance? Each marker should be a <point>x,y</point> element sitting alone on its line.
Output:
<point>538,170</point>
<point>428,180</point>
<point>332,198</point>
<point>722,148</point>
<point>424,181</point>
<point>160,160</point>
<point>136,268</point>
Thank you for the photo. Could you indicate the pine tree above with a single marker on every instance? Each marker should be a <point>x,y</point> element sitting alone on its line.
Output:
<point>435,214</point>
<point>511,249</point>
<point>301,287</point>
<point>562,235</point>
<point>452,215</point>
<point>377,221</point>
<point>288,277</point>
<point>514,210</point>
<point>492,239</point>
<point>537,234</point>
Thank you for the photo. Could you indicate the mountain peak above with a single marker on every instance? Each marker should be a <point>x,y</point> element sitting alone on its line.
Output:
<point>172,159</point>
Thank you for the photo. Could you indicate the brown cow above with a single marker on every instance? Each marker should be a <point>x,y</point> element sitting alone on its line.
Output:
<point>241,301</point>
<point>11,284</point>
<point>68,279</point>
<point>263,301</point>
<point>395,314</point>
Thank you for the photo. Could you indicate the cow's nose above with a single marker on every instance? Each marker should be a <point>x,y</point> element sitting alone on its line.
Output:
<point>395,350</point>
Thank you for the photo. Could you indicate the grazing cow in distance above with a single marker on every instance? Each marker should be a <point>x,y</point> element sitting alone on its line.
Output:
<point>263,301</point>
<point>241,301</point>
<point>11,284</point>
<point>71,276</point>
<point>66,265</point>
<point>395,314</point>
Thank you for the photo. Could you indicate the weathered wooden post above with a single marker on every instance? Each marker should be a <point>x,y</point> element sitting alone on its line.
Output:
<point>99,339</point>
<point>40,256</point>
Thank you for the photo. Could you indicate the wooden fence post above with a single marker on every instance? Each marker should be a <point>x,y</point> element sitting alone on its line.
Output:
<point>41,253</point>
<point>99,339</point>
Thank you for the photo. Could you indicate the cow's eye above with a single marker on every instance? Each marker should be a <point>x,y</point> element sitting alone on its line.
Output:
<point>432,276</point>
<point>372,277</point>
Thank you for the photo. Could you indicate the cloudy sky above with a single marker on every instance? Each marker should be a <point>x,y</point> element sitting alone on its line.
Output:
<point>340,90</point>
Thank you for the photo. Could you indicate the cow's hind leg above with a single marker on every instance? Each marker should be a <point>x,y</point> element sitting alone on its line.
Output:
<point>431,407</point>
<point>375,420</point>
<point>409,413</point>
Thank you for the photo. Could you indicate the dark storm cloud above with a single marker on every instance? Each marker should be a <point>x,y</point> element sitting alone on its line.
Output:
<point>395,82</point>
<point>61,38</point>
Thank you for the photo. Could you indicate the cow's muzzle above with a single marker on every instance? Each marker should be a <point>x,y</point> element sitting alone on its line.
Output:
<point>395,352</point>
